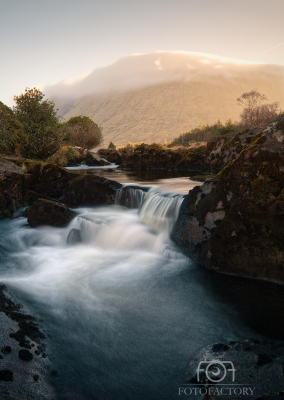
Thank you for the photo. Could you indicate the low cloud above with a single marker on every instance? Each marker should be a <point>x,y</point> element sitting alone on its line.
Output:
<point>142,70</point>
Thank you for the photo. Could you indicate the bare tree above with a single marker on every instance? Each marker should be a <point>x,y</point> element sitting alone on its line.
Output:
<point>255,114</point>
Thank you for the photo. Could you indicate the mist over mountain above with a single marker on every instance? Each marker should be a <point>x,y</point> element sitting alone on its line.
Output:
<point>150,97</point>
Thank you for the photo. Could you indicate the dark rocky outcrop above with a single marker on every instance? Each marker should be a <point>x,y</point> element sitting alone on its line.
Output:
<point>113,156</point>
<point>155,157</point>
<point>23,354</point>
<point>95,160</point>
<point>90,190</point>
<point>234,223</point>
<point>12,182</point>
<point>48,212</point>
<point>258,369</point>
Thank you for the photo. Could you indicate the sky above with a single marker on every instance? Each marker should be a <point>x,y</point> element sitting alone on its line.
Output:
<point>45,42</point>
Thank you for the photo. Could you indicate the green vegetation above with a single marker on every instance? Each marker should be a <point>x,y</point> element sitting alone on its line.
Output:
<point>40,124</point>
<point>11,131</point>
<point>83,132</point>
<point>205,132</point>
<point>111,146</point>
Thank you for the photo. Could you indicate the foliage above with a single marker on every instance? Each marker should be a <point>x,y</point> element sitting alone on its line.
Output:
<point>255,114</point>
<point>130,147</point>
<point>82,131</point>
<point>40,124</point>
<point>111,146</point>
<point>11,131</point>
<point>205,132</point>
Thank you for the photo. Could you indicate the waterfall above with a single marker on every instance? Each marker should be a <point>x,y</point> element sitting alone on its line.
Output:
<point>156,209</point>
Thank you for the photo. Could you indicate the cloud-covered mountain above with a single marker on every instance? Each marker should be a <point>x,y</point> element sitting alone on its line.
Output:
<point>149,97</point>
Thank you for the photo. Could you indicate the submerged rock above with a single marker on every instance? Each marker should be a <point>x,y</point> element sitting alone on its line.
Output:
<point>74,236</point>
<point>48,212</point>
<point>234,223</point>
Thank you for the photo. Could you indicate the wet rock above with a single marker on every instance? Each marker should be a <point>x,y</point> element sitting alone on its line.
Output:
<point>6,349</point>
<point>74,237</point>
<point>47,212</point>
<point>234,223</point>
<point>6,375</point>
<point>239,368</point>
<point>25,355</point>
<point>90,190</point>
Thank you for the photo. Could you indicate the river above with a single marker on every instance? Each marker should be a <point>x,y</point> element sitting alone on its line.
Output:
<point>125,311</point>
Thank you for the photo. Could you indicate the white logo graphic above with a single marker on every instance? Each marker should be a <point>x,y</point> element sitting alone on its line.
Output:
<point>215,370</point>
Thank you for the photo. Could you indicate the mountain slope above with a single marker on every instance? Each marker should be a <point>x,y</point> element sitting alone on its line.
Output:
<point>161,95</point>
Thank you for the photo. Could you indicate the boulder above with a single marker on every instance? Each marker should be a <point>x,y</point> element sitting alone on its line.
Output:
<point>113,156</point>
<point>12,180</point>
<point>68,156</point>
<point>52,181</point>
<point>234,223</point>
<point>96,160</point>
<point>48,212</point>
<point>89,190</point>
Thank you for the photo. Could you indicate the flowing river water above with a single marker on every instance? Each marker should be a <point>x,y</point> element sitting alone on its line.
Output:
<point>125,311</point>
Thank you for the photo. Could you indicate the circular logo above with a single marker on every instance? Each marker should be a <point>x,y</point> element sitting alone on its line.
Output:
<point>215,371</point>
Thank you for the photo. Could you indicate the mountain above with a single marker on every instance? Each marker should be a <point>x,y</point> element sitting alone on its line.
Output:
<point>150,97</point>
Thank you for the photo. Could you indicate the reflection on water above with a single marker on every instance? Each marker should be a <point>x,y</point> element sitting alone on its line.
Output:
<point>169,181</point>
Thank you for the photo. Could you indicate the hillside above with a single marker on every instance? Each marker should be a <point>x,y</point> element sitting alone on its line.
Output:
<point>160,95</point>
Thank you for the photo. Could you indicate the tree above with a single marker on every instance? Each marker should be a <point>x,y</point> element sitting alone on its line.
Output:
<point>84,132</point>
<point>11,131</point>
<point>111,146</point>
<point>40,124</point>
<point>255,114</point>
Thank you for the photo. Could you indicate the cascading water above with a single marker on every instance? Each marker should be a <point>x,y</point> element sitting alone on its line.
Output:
<point>123,310</point>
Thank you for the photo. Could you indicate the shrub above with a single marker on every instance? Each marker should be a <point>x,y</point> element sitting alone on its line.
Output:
<point>111,146</point>
<point>82,131</point>
<point>11,131</point>
<point>40,124</point>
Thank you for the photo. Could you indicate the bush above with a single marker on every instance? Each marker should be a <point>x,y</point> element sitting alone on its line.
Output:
<point>11,131</point>
<point>205,132</point>
<point>83,132</point>
<point>40,124</point>
<point>111,146</point>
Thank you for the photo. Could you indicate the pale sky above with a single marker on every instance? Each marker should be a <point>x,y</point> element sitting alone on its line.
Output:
<point>44,42</point>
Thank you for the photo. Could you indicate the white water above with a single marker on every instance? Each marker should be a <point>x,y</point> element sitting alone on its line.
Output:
<point>124,309</point>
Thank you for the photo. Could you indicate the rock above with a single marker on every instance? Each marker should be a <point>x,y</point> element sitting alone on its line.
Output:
<point>74,236</point>
<point>252,365</point>
<point>52,181</point>
<point>90,190</point>
<point>234,223</point>
<point>113,156</point>
<point>12,180</point>
<point>94,159</point>
<point>223,149</point>
<point>48,212</point>
<point>67,156</point>
<point>154,156</point>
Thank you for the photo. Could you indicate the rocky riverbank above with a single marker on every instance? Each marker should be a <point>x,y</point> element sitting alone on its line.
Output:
<point>234,223</point>
<point>250,369</point>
